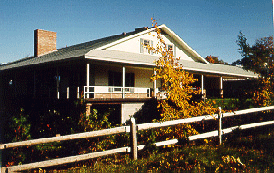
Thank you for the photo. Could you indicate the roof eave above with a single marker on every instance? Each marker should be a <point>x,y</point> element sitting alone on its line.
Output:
<point>118,61</point>
<point>110,59</point>
<point>124,39</point>
<point>220,73</point>
<point>183,43</point>
<point>169,32</point>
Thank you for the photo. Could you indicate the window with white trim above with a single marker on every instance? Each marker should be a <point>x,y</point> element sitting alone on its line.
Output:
<point>143,46</point>
<point>171,48</point>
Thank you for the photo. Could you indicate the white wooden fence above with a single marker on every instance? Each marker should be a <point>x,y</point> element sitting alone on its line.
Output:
<point>133,131</point>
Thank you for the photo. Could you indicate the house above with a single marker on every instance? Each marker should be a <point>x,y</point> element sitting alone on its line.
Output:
<point>114,70</point>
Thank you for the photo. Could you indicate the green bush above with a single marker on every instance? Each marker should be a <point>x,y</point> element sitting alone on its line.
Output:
<point>18,130</point>
<point>39,120</point>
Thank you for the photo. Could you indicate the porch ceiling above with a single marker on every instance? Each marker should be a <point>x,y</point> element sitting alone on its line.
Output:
<point>121,57</point>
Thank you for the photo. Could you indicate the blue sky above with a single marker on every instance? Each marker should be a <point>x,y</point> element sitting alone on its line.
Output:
<point>208,26</point>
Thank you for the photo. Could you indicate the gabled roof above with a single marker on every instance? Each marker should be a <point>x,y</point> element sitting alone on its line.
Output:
<point>166,30</point>
<point>96,50</point>
<point>74,51</point>
<point>183,44</point>
<point>80,50</point>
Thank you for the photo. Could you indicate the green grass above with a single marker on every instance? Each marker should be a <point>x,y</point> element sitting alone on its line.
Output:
<point>231,103</point>
<point>242,153</point>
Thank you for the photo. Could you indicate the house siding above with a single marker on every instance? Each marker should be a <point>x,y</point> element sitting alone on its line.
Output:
<point>142,76</point>
<point>133,45</point>
<point>128,109</point>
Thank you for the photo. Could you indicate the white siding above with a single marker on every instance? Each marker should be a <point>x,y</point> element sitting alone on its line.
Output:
<point>128,109</point>
<point>133,45</point>
<point>142,76</point>
<point>101,75</point>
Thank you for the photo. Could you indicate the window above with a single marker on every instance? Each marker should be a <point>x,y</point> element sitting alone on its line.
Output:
<point>129,79</point>
<point>115,79</point>
<point>143,46</point>
<point>171,49</point>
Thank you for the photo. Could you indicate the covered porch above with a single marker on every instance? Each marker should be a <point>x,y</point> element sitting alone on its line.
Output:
<point>116,81</point>
<point>116,92</point>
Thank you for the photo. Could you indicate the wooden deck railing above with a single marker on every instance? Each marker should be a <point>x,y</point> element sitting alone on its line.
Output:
<point>115,92</point>
<point>133,131</point>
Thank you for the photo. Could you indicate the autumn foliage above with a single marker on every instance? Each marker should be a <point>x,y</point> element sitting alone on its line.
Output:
<point>259,59</point>
<point>214,60</point>
<point>176,83</point>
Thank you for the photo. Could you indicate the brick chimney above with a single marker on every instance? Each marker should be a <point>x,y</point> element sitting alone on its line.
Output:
<point>44,42</point>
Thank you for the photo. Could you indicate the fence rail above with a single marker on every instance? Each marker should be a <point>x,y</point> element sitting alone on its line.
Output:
<point>65,160</point>
<point>229,130</point>
<point>99,133</point>
<point>123,129</point>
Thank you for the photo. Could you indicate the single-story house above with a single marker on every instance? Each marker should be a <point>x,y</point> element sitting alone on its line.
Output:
<point>111,70</point>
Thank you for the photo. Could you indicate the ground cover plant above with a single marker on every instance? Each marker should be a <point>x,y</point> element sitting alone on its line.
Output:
<point>248,151</point>
<point>230,104</point>
<point>42,121</point>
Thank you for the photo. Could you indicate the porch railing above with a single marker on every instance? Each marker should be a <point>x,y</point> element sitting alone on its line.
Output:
<point>108,91</point>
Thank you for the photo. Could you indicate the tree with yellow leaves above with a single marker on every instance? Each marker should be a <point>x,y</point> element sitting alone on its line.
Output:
<point>176,83</point>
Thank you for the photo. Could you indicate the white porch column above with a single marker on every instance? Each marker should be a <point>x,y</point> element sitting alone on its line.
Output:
<point>221,87</point>
<point>57,83</point>
<point>155,85</point>
<point>124,81</point>
<point>78,92</point>
<point>202,86</point>
<point>88,80</point>
<point>67,92</point>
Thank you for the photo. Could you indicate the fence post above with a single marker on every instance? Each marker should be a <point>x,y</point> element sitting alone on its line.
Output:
<point>133,139</point>
<point>1,161</point>
<point>2,122</point>
<point>220,126</point>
